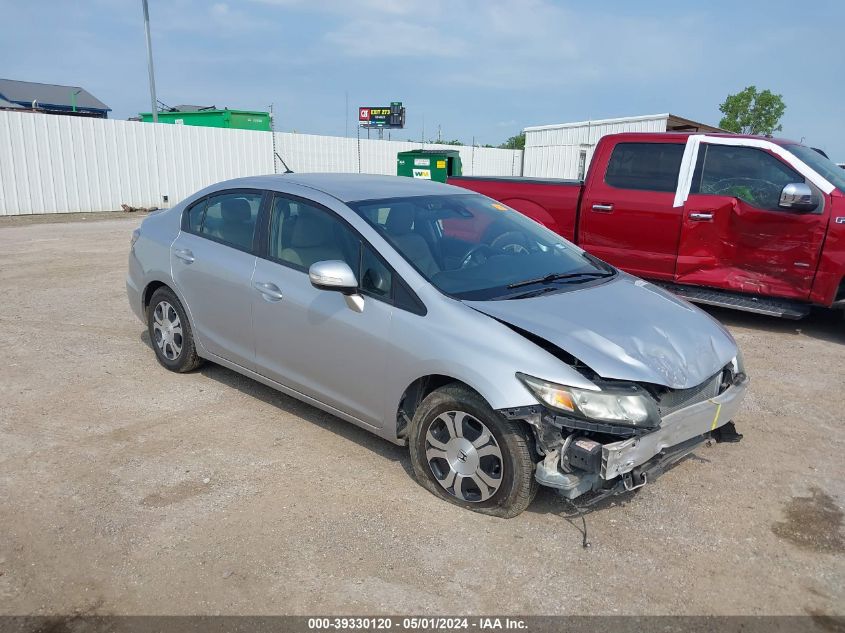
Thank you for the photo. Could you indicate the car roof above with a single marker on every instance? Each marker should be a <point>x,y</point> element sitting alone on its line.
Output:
<point>685,135</point>
<point>348,187</point>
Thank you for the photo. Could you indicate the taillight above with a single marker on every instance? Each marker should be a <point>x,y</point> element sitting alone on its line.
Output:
<point>135,235</point>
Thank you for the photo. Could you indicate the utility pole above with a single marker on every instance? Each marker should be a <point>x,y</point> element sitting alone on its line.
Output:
<point>273,132</point>
<point>73,94</point>
<point>150,60</point>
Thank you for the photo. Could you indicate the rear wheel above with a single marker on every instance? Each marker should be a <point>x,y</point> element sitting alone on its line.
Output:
<point>170,332</point>
<point>465,452</point>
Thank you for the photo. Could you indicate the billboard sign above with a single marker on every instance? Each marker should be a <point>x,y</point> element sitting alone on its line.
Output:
<point>392,116</point>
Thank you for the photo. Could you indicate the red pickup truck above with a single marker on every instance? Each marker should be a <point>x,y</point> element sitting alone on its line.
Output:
<point>745,222</point>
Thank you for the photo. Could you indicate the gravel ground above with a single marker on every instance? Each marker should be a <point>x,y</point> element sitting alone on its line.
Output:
<point>126,489</point>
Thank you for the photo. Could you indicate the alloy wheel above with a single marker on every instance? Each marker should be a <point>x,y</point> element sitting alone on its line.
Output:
<point>464,456</point>
<point>167,330</point>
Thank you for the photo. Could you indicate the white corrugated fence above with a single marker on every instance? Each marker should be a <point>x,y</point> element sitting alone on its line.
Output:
<point>565,150</point>
<point>57,164</point>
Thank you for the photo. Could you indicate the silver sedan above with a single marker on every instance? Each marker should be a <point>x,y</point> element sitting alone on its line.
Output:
<point>502,355</point>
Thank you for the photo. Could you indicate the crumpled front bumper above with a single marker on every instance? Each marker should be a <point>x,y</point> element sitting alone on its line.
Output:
<point>676,428</point>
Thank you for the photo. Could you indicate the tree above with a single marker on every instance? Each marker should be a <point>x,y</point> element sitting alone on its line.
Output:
<point>514,142</point>
<point>752,112</point>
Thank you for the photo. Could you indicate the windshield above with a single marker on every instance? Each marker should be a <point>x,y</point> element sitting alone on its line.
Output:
<point>824,166</point>
<point>472,247</point>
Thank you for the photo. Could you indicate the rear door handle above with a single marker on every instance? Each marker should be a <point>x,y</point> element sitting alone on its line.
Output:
<point>270,291</point>
<point>701,216</point>
<point>184,254</point>
<point>603,208</point>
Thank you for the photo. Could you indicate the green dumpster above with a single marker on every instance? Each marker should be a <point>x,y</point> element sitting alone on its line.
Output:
<point>430,164</point>
<point>233,119</point>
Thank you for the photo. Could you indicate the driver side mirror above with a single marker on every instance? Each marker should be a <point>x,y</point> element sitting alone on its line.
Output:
<point>799,197</point>
<point>335,275</point>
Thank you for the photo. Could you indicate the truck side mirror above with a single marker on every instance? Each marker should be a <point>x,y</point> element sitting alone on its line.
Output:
<point>798,196</point>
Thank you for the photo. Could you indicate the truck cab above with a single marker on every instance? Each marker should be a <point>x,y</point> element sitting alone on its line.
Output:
<point>721,212</point>
<point>753,223</point>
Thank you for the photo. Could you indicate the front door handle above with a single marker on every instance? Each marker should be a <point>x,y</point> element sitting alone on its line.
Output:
<point>270,291</point>
<point>701,216</point>
<point>184,254</point>
<point>603,208</point>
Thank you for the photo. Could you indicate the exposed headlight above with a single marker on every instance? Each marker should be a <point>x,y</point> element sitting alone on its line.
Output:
<point>631,406</point>
<point>738,363</point>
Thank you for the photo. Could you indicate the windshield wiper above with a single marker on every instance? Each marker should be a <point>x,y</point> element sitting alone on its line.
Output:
<point>531,293</point>
<point>558,276</point>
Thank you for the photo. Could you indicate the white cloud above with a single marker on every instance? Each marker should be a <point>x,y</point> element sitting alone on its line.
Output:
<point>396,38</point>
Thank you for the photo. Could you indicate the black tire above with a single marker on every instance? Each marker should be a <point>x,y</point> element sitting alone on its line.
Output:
<point>187,359</point>
<point>516,485</point>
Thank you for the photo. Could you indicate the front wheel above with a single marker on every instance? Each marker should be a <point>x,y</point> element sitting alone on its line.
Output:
<point>466,453</point>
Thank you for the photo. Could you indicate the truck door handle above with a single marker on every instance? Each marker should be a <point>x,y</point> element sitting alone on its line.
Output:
<point>270,291</point>
<point>701,216</point>
<point>184,254</point>
<point>603,208</point>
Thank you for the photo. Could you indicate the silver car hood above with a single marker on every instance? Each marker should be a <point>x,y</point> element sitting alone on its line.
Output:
<point>626,329</point>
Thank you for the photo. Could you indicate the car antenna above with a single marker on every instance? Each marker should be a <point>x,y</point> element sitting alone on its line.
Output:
<point>288,170</point>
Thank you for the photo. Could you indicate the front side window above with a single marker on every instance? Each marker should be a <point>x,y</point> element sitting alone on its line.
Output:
<point>472,247</point>
<point>823,166</point>
<point>748,173</point>
<point>229,218</point>
<point>302,234</point>
<point>645,166</point>
<point>376,278</point>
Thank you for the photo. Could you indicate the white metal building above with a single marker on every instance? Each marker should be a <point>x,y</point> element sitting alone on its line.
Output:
<point>565,150</point>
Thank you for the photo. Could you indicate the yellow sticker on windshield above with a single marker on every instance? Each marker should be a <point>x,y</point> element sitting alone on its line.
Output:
<point>498,206</point>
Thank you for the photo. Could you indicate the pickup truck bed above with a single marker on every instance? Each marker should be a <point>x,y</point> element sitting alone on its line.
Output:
<point>552,202</point>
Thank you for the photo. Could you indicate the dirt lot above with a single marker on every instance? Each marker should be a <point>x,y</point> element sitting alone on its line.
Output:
<point>125,489</point>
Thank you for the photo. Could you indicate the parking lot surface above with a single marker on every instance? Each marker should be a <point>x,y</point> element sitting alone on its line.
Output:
<point>127,489</point>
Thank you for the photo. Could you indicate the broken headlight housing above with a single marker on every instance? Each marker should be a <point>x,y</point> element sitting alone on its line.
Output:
<point>738,363</point>
<point>628,405</point>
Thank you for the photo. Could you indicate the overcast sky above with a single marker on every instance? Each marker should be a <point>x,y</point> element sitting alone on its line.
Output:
<point>478,68</point>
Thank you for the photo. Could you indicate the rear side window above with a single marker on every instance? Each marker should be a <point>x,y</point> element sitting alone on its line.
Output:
<point>194,216</point>
<point>645,166</point>
<point>747,173</point>
<point>230,218</point>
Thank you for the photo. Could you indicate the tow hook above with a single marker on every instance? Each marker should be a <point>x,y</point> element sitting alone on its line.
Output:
<point>628,481</point>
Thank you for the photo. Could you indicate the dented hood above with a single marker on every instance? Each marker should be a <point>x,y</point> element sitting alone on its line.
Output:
<point>625,329</point>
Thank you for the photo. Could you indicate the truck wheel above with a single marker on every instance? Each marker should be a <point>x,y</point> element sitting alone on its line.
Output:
<point>170,332</point>
<point>466,453</point>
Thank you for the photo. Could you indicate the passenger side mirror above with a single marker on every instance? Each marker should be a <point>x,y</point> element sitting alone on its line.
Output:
<point>798,196</point>
<point>333,275</point>
<point>336,275</point>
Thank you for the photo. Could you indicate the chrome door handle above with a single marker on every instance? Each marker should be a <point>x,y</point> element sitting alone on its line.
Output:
<point>184,254</point>
<point>270,291</point>
<point>698,216</point>
<point>604,208</point>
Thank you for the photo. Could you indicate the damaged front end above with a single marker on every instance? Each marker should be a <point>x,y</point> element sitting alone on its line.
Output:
<point>623,435</point>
